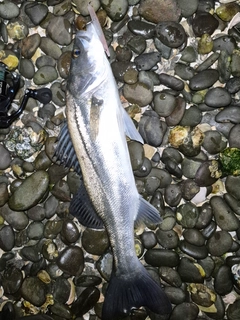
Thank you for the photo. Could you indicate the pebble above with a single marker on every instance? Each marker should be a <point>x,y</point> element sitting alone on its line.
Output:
<point>233,137</point>
<point>115,9</point>
<point>183,71</point>
<point>81,6</point>
<point>223,281</point>
<point>86,301</point>
<point>5,158</point>
<point>45,60</point>
<point>204,22</point>
<point>223,214</point>
<point>34,291</point>
<point>175,117</point>
<point>136,153</point>
<point>188,308</point>
<point>224,43</point>
<point>12,280</point>
<point>45,75</point>
<point>66,258</point>
<point>7,238</point>
<point>36,213</point>
<point>95,241</point>
<point>173,195</point>
<point>69,232</point>
<point>30,192</point>
<point>197,252</point>
<point>29,45</point>
<point>148,121</point>
<point>222,237</point>
<point>16,219</point>
<point>142,28</point>
<point>207,173</point>
<point>161,257</point>
<point>36,12</point>
<point>58,95</point>
<point>60,31</point>
<point>190,271</point>
<point>171,276</point>
<point>175,295</point>
<point>203,79</point>
<point>214,142</point>
<point>229,114</point>
<point>171,81</point>
<point>138,93</point>
<point>164,10</point>
<point>187,215</point>
<point>61,290</point>
<point>233,310</point>
<point>8,10</point>
<point>171,33</point>
<point>187,8</point>
<point>191,117</point>
<point>233,186</point>
<point>49,47</point>
<point>119,68</point>
<point>35,230</point>
<point>137,44</point>
<point>167,239</point>
<point>148,239</point>
<point>147,61</point>
<point>164,103</point>
<point>26,68</point>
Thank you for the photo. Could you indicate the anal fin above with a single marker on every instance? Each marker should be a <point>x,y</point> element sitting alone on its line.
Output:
<point>147,213</point>
<point>81,207</point>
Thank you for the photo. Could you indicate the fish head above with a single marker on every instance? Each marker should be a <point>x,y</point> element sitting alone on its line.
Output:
<point>88,62</point>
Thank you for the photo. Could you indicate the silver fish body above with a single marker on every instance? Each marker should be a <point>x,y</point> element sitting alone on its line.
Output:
<point>98,126</point>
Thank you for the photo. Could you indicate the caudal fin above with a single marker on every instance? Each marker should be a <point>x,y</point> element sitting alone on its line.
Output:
<point>126,293</point>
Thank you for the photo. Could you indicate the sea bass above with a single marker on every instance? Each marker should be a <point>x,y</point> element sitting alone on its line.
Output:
<point>95,139</point>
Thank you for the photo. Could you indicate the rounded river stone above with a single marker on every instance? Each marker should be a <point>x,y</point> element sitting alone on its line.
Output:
<point>30,192</point>
<point>138,93</point>
<point>7,238</point>
<point>220,237</point>
<point>217,97</point>
<point>224,216</point>
<point>71,260</point>
<point>5,158</point>
<point>34,291</point>
<point>203,79</point>
<point>171,33</point>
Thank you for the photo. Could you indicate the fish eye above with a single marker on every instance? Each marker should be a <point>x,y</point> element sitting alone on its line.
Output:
<point>76,53</point>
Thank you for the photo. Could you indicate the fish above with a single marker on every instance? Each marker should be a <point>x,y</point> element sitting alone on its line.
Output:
<point>93,142</point>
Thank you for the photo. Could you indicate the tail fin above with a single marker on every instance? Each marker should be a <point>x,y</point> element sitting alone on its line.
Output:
<point>126,293</point>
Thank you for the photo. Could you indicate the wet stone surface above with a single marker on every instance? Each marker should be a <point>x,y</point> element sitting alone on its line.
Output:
<point>177,68</point>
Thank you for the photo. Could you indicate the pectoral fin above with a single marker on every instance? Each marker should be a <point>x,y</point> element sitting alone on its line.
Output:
<point>65,152</point>
<point>81,207</point>
<point>147,213</point>
<point>130,129</point>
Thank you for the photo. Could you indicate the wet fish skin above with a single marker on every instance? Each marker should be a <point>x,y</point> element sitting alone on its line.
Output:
<point>98,126</point>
